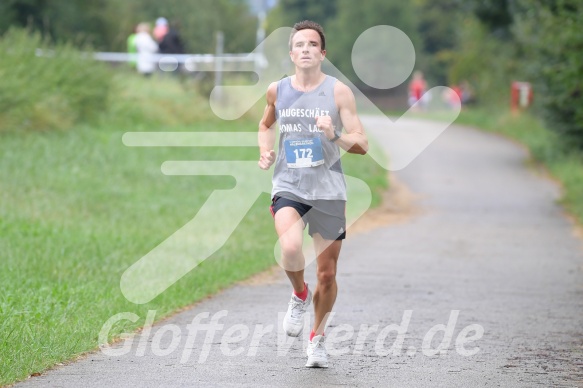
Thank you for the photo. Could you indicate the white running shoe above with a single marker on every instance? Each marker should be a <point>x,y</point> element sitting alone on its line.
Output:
<point>317,356</point>
<point>293,322</point>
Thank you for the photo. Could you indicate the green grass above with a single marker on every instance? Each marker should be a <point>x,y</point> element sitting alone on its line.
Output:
<point>77,207</point>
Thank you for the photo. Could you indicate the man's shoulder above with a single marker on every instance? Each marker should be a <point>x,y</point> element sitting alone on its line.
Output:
<point>340,86</point>
<point>272,92</point>
<point>342,91</point>
<point>273,88</point>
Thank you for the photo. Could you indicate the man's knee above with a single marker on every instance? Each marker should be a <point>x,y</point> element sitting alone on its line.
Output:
<point>326,277</point>
<point>291,249</point>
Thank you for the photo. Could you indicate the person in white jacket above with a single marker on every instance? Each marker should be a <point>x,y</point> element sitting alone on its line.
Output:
<point>146,46</point>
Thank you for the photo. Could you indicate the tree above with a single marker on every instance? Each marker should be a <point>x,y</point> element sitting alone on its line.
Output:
<point>21,13</point>
<point>550,33</point>
<point>496,15</point>
<point>105,24</point>
<point>353,18</point>
<point>288,12</point>
<point>59,20</point>
<point>438,25</point>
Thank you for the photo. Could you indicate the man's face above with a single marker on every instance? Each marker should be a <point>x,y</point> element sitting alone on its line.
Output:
<point>306,50</point>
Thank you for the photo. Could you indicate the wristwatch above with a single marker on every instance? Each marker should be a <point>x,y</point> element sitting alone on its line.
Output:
<point>337,135</point>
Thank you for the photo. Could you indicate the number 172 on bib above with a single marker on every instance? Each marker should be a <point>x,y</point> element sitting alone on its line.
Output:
<point>301,153</point>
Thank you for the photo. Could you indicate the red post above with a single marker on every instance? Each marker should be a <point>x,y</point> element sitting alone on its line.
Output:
<point>521,96</point>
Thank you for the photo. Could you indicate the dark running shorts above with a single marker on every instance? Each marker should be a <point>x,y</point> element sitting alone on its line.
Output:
<point>326,217</point>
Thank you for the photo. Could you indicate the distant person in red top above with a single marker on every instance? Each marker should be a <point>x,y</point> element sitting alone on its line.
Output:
<point>417,88</point>
<point>461,93</point>
<point>456,95</point>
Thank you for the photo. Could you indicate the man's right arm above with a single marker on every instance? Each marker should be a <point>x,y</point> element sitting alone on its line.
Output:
<point>266,136</point>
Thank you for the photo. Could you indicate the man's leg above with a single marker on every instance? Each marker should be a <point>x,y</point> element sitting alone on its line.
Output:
<point>324,297</point>
<point>290,229</point>
<point>326,290</point>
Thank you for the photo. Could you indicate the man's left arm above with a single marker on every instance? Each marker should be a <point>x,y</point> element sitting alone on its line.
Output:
<point>354,140</point>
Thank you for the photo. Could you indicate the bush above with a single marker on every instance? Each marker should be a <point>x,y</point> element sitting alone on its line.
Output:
<point>486,62</point>
<point>551,35</point>
<point>45,88</point>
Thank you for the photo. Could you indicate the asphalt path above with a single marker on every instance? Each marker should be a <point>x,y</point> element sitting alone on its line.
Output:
<point>482,286</point>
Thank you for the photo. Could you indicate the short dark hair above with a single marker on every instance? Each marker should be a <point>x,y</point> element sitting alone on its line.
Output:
<point>308,25</point>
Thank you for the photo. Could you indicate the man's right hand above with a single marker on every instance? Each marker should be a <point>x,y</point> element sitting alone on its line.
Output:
<point>266,159</point>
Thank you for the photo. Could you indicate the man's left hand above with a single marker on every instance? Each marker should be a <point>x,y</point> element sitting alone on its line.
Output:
<point>324,123</point>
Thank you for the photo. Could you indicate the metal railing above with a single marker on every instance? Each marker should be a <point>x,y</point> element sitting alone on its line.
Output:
<point>193,62</point>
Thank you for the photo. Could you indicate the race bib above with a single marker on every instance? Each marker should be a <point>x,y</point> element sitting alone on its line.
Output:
<point>301,153</point>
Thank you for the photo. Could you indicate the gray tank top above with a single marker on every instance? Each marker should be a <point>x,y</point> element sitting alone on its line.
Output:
<point>296,114</point>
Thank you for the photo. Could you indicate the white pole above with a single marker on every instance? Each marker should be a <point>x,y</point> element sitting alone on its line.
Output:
<point>219,62</point>
<point>259,38</point>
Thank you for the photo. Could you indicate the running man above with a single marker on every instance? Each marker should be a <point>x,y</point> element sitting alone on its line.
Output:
<point>311,109</point>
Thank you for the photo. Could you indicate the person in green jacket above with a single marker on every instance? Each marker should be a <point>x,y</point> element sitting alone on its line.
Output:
<point>132,48</point>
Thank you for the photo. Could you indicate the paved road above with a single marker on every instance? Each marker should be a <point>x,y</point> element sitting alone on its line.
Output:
<point>490,257</point>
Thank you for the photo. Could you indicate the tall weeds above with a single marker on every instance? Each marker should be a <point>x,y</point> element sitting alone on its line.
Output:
<point>45,87</point>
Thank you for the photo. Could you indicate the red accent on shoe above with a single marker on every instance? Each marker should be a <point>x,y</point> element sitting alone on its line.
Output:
<point>304,294</point>
<point>313,334</point>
